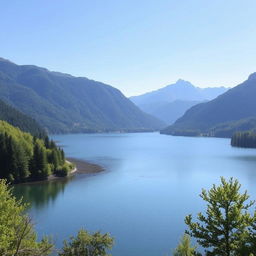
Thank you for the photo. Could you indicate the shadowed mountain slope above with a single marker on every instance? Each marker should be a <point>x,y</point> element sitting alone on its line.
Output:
<point>20,120</point>
<point>232,111</point>
<point>63,103</point>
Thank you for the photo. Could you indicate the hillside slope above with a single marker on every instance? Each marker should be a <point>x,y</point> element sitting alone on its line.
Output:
<point>232,109</point>
<point>20,120</point>
<point>63,103</point>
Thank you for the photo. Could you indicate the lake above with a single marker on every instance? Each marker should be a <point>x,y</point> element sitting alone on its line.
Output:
<point>151,183</point>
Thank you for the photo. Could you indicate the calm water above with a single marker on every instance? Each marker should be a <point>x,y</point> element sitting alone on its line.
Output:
<point>150,184</point>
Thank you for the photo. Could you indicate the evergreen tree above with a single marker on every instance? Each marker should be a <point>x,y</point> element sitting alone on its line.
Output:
<point>24,157</point>
<point>244,139</point>
<point>22,162</point>
<point>185,248</point>
<point>87,244</point>
<point>223,230</point>
<point>39,161</point>
<point>3,156</point>
<point>62,156</point>
<point>46,142</point>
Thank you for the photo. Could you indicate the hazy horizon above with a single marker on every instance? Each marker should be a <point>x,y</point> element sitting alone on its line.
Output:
<point>136,47</point>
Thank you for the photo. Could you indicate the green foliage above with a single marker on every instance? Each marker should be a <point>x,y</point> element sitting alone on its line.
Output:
<point>244,139</point>
<point>185,248</point>
<point>224,229</point>
<point>87,244</point>
<point>23,157</point>
<point>64,170</point>
<point>17,236</point>
<point>40,166</point>
<point>227,129</point>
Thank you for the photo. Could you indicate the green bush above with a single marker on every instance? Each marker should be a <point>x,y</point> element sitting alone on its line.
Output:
<point>63,171</point>
<point>17,235</point>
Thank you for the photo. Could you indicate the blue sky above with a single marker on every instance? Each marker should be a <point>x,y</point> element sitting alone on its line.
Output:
<point>135,46</point>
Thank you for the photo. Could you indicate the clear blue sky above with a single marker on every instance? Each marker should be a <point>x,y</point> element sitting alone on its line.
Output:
<point>134,45</point>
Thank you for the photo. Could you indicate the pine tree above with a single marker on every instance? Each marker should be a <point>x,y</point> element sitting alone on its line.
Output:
<point>3,156</point>
<point>87,244</point>
<point>39,162</point>
<point>185,248</point>
<point>24,157</point>
<point>223,230</point>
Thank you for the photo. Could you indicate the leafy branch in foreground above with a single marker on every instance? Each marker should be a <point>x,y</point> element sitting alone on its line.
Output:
<point>87,244</point>
<point>17,235</point>
<point>18,238</point>
<point>225,227</point>
<point>185,248</point>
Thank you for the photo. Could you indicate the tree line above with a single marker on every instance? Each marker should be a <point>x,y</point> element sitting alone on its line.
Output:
<point>244,139</point>
<point>24,157</point>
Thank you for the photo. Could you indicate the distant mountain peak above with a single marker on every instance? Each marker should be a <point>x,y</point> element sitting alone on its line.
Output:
<point>252,76</point>
<point>182,81</point>
<point>234,111</point>
<point>5,60</point>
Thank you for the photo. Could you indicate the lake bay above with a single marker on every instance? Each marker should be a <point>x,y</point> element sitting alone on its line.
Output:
<point>150,183</point>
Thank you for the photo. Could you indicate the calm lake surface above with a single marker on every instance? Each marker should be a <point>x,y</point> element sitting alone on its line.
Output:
<point>151,183</point>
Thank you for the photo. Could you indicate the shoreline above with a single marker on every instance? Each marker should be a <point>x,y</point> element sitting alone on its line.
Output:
<point>81,167</point>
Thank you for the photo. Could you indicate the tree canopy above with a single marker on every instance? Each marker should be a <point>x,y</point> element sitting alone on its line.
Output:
<point>17,236</point>
<point>86,244</point>
<point>227,227</point>
<point>24,157</point>
<point>244,139</point>
<point>185,248</point>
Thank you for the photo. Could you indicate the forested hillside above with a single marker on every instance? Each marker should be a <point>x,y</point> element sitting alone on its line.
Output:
<point>25,158</point>
<point>232,111</point>
<point>18,119</point>
<point>63,103</point>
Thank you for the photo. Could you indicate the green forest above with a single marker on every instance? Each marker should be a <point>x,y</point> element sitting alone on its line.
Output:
<point>24,157</point>
<point>244,139</point>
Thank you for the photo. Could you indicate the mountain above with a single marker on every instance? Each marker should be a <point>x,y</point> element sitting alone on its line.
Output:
<point>169,112</point>
<point>171,102</point>
<point>63,103</point>
<point>20,120</point>
<point>232,111</point>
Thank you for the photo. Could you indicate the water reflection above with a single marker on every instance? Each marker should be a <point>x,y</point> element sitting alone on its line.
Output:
<point>41,194</point>
<point>150,182</point>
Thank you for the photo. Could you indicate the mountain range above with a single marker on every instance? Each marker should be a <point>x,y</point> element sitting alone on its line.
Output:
<point>63,103</point>
<point>171,102</point>
<point>235,110</point>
